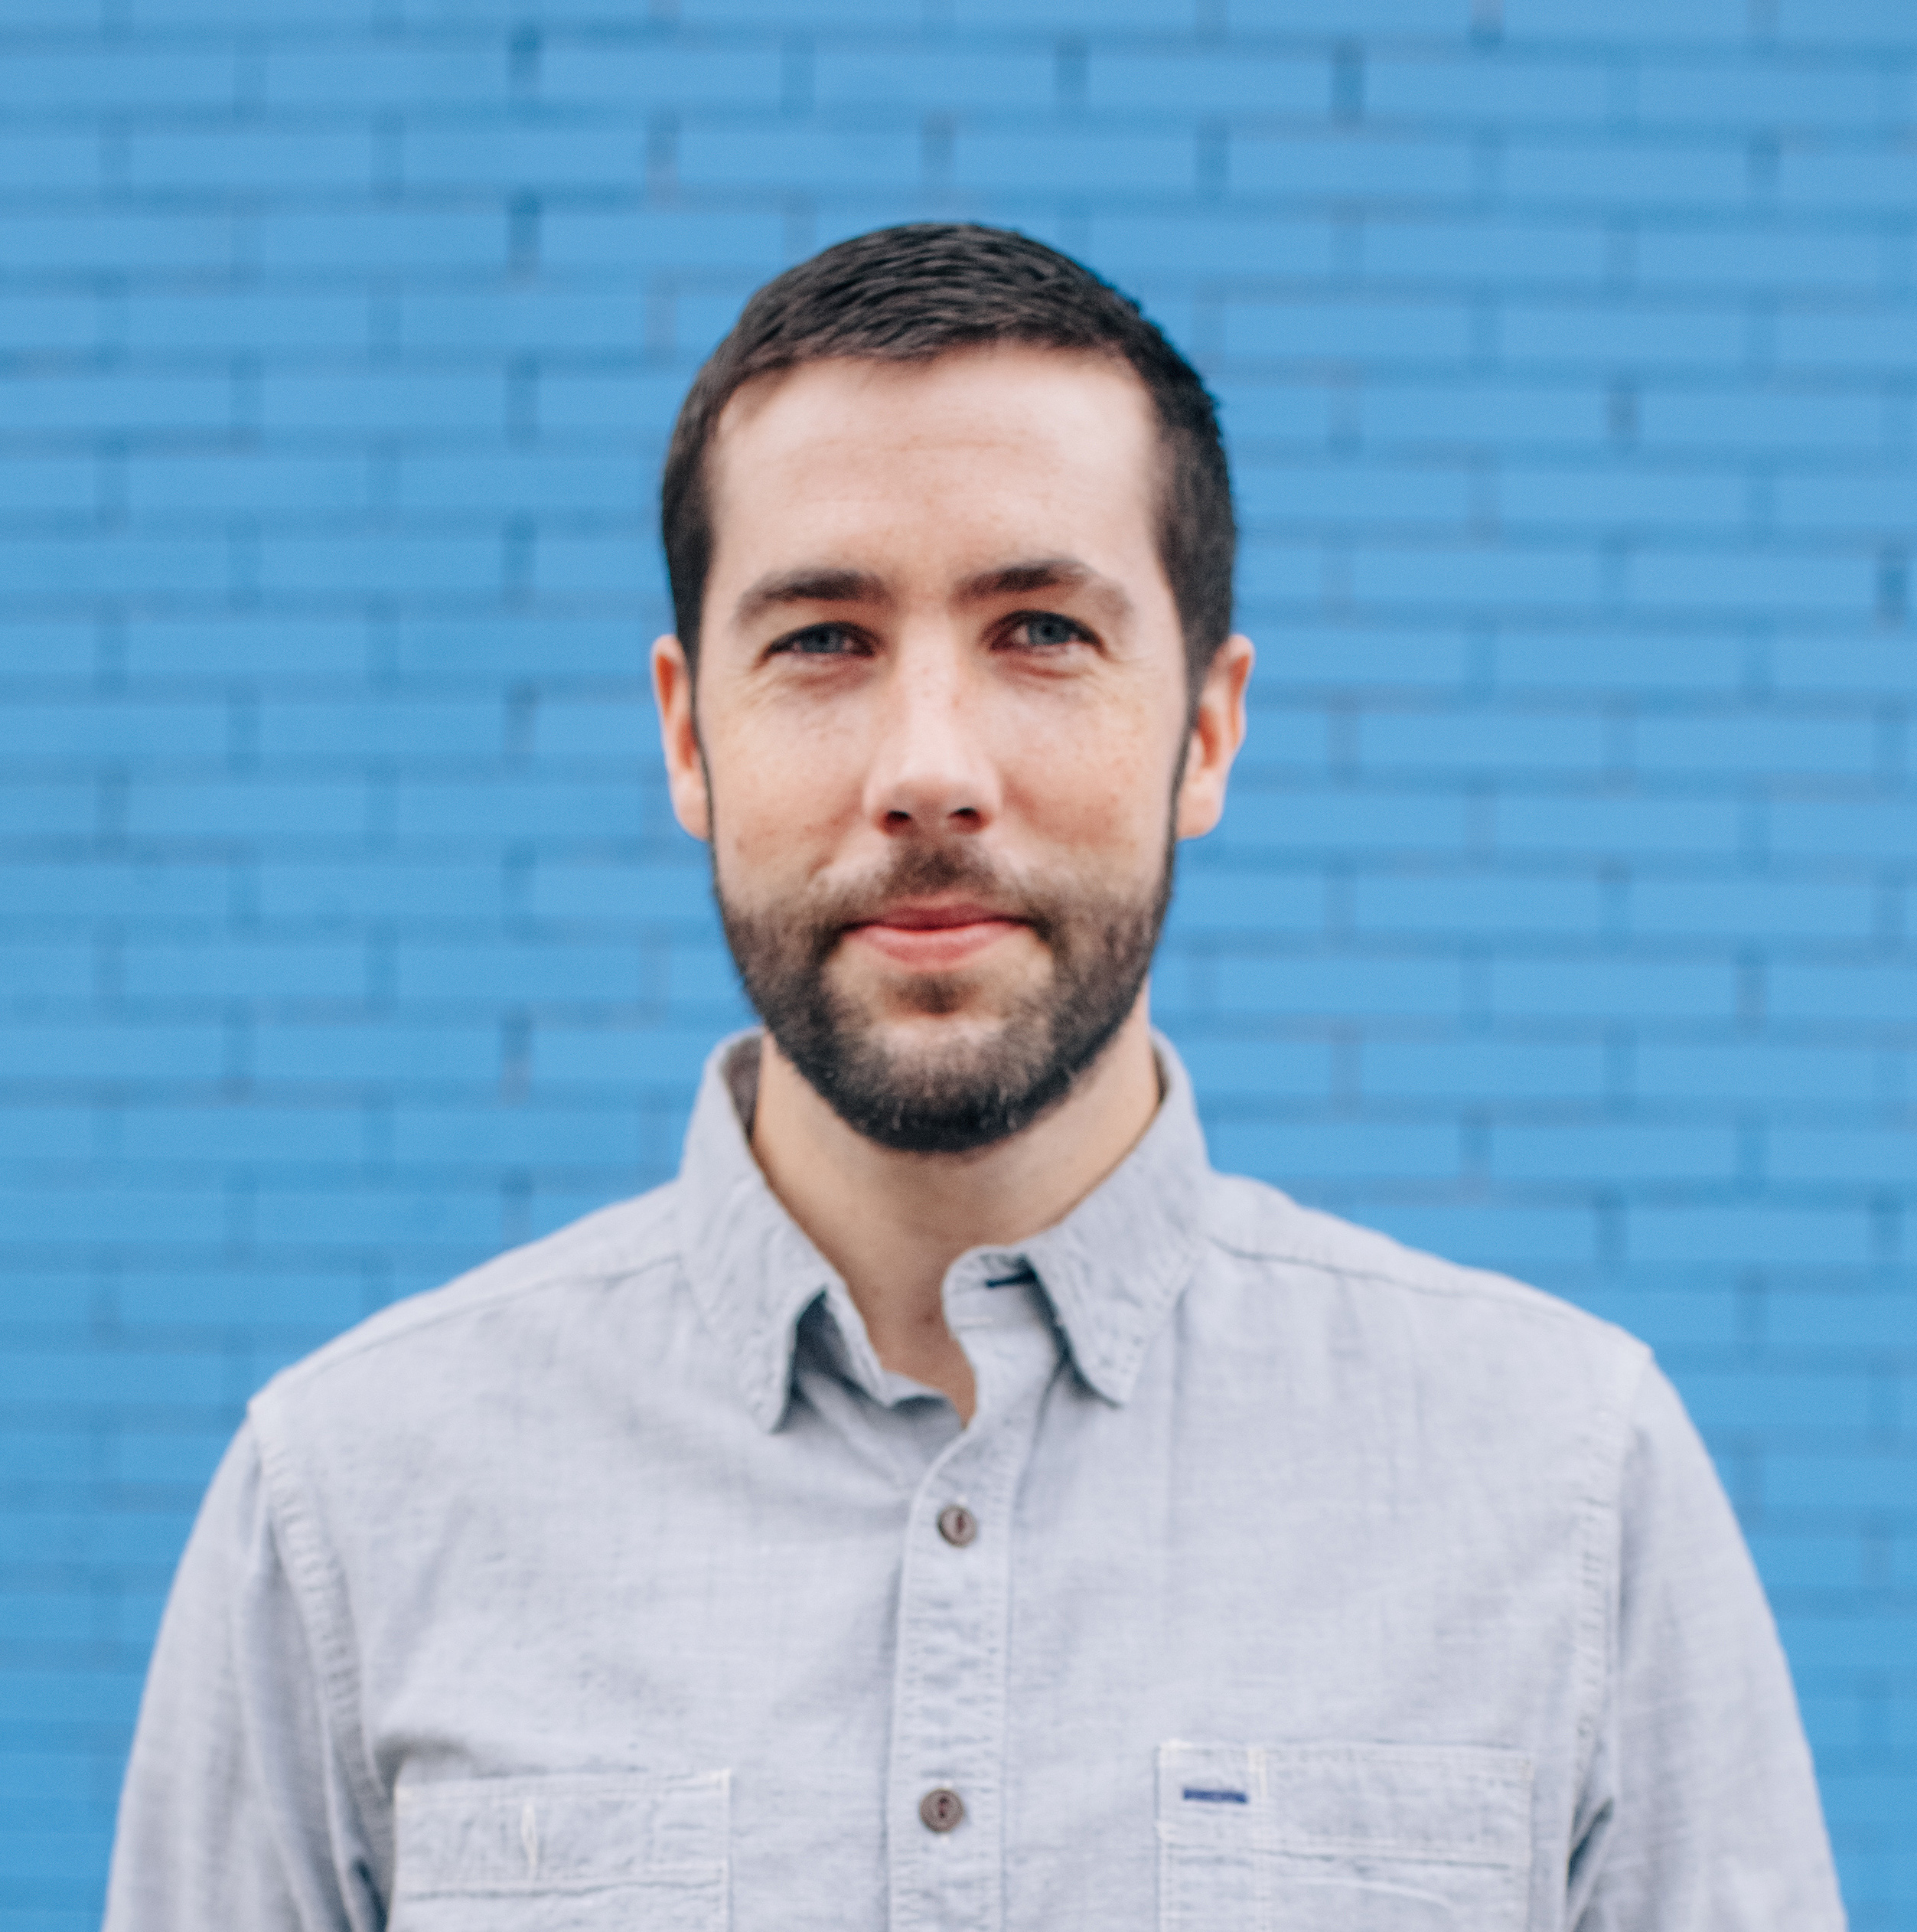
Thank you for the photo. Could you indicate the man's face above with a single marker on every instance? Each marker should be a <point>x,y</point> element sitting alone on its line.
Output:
<point>941,716</point>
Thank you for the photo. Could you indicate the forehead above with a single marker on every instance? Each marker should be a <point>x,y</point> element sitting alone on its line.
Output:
<point>1003,441</point>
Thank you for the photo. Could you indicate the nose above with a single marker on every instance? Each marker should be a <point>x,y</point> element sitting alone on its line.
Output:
<point>930,771</point>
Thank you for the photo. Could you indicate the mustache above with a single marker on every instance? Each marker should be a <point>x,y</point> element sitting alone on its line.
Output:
<point>919,871</point>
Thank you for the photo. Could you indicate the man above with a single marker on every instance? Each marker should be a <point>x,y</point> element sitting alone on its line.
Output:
<point>950,1504</point>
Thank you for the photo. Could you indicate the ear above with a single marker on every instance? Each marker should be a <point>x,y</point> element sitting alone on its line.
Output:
<point>672,685</point>
<point>1217,730</point>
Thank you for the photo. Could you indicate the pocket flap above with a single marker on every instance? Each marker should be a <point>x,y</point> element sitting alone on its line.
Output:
<point>1441,1804</point>
<point>555,1834</point>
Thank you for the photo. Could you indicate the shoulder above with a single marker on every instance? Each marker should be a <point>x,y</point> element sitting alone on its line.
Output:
<point>632,1244</point>
<point>1474,1324</point>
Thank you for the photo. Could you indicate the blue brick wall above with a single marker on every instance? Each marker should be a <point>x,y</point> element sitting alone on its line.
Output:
<point>1564,918</point>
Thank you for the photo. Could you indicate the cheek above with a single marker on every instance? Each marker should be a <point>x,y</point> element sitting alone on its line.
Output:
<point>1104,786</point>
<point>780,800</point>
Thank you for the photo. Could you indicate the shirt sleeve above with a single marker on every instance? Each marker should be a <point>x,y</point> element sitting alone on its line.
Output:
<point>238,1813</point>
<point>1701,1807</point>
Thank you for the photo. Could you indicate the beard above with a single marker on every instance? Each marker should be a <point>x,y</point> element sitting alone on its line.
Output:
<point>995,1076</point>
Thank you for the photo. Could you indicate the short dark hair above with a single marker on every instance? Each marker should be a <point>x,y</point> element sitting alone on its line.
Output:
<point>912,293</point>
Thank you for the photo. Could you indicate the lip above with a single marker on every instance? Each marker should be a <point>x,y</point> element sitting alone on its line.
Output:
<point>934,937</point>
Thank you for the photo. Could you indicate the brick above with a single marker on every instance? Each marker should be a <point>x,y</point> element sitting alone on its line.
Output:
<point>1859,994</point>
<point>1465,905</point>
<point>1621,493</point>
<point>1468,1068</point>
<point>488,646</point>
<point>558,972</point>
<point>1775,743</point>
<point>1612,824</point>
<point>106,78</point>
<point>1762,251</point>
<point>625,1054</point>
<point>746,242</point>
<point>343,892</point>
<point>1135,162</point>
<point>1880,175</point>
<point>115,1052</point>
<point>1756,907</point>
<point>651,72</point>
<point>764,154</point>
<point>1755,1232</point>
<point>380,563</point>
<point>538,320</point>
<point>1598,987</point>
<point>1623,333</point>
<point>273,159</point>
<point>55,160</point>
<point>1856,1156</point>
<point>1762,93</point>
<point>117,243</point>
<point>57,731</point>
<point>1876,499</point>
<point>237,317</point>
<point>385,727</point>
<point>331,1051</point>
<point>199,972</point>
<point>1493,84</point>
<point>1623,1153</point>
<point>1291,1151</point>
<point>44,489</point>
<point>48,321</point>
<point>1478,413</point>
<point>37,970</point>
<point>1868,23</point>
<point>70,567</point>
<point>1750,419</point>
<point>1345,330</point>
<point>1769,582</point>
<point>380,240</point>
<point>241,809</point>
<point>525,157</point>
<point>522,809</point>
<point>162,490</point>
<point>1665,175</point>
<point>82,402</point>
<point>359,76</point>
<point>252,1134</point>
<point>1463,248</point>
<point>214,648</point>
<point>940,76</point>
<point>1350,167</point>
<point>1213,902</point>
<point>1882,827</point>
<point>1741,1072</point>
<point>1881,338</point>
<point>96,888</point>
<point>1628,22</point>
<point>626,404</point>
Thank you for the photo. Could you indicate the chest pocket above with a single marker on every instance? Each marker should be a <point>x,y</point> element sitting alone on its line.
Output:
<point>1342,1838</point>
<point>583,1854</point>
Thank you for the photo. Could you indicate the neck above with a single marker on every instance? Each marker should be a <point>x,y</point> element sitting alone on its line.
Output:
<point>892,1223</point>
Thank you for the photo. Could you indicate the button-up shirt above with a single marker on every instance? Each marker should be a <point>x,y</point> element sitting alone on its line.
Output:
<point>1283,1578</point>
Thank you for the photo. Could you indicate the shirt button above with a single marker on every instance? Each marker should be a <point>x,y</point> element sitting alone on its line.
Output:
<point>957,1525</point>
<point>943,1810</point>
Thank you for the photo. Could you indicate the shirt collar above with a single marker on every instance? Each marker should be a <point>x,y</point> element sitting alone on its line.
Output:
<point>1110,1270</point>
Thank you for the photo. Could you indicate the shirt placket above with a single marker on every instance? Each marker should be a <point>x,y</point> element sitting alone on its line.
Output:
<point>945,1788</point>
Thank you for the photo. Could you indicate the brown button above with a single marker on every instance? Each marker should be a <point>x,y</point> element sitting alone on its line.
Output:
<point>942,1810</point>
<point>957,1525</point>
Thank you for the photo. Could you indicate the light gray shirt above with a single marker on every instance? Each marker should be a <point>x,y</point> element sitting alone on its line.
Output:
<point>1297,1581</point>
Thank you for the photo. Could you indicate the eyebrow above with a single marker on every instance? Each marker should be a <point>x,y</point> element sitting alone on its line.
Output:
<point>810,584</point>
<point>828,584</point>
<point>1043,573</point>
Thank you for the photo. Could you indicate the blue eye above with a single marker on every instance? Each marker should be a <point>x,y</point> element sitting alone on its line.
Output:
<point>822,641</point>
<point>1043,628</point>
